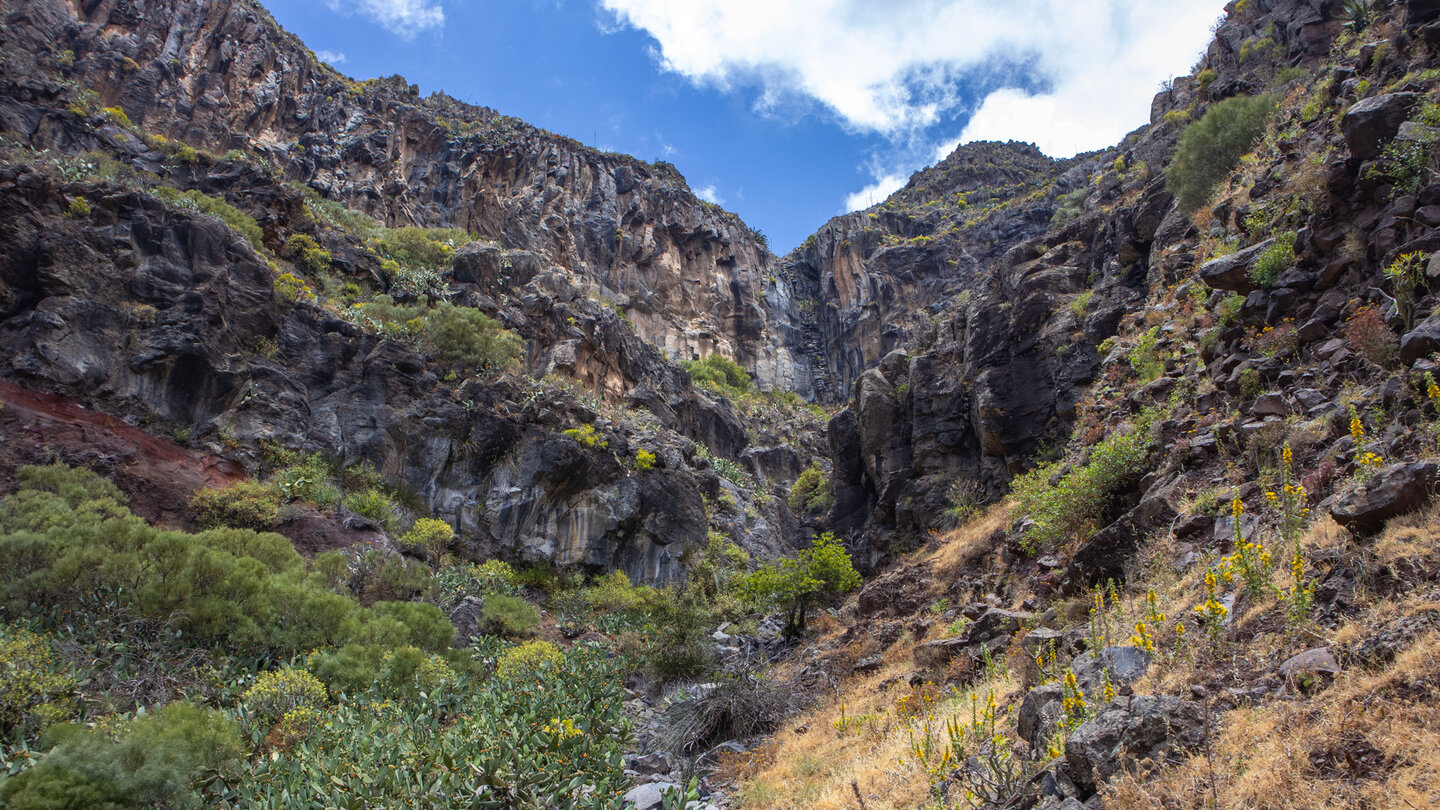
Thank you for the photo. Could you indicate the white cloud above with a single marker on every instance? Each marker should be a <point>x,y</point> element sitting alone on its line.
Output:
<point>333,57</point>
<point>404,18</point>
<point>898,68</point>
<point>710,194</point>
<point>875,192</point>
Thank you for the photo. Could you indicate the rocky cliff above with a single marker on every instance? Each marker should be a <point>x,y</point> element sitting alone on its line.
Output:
<point>222,75</point>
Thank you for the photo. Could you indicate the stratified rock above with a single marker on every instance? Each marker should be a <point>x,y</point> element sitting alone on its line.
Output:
<point>1040,713</point>
<point>1392,491</point>
<point>1370,122</point>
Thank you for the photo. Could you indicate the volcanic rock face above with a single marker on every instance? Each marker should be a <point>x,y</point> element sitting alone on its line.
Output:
<point>222,75</point>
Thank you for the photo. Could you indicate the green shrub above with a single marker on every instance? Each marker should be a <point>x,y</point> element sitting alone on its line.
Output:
<point>35,685</point>
<point>792,584</point>
<point>1066,506</point>
<point>373,504</point>
<point>419,247</point>
<point>424,625</point>
<point>156,760</point>
<point>238,220</point>
<point>811,493</point>
<point>1211,147</point>
<point>509,616</point>
<point>1273,261</point>
<point>281,690</point>
<point>718,373</point>
<point>292,289</point>
<point>527,659</point>
<point>469,339</point>
<point>78,208</point>
<point>587,435</point>
<point>244,505</point>
<point>1081,304</point>
<point>306,478</point>
<point>1146,358</point>
<point>644,459</point>
<point>428,535</point>
<point>68,546</point>
<point>307,253</point>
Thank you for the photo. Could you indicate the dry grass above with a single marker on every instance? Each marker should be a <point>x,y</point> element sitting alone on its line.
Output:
<point>1370,740</point>
<point>814,768</point>
<point>963,546</point>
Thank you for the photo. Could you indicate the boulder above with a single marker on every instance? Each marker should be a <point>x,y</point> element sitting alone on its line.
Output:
<point>1390,492</point>
<point>1310,663</point>
<point>1419,12</point>
<point>466,618</point>
<point>1130,731</point>
<point>1104,554</point>
<point>1370,122</point>
<point>1232,272</point>
<point>1039,714</point>
<point>649,797</point>
<point>1422,340</point>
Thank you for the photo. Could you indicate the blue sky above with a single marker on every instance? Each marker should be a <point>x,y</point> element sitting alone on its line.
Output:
<point>785,111</point>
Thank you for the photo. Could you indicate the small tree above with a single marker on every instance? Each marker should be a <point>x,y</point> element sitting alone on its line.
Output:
<point>822,571</point>
<point>1211,147</point>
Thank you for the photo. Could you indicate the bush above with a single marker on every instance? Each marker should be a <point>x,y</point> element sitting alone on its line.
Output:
<point>528,659</point>
<point>155,760</point>
<point>292,289</point>
<point>245,505</point>
<point>238,220</point>
<point>586,435</point>
<point>811,493</point>
<point>469,339</point>
<point>307,253</point>
<point>1367,334</point>
<point>720,374</point>
<point>419,247</point>
<point>1068,508</point>
<point>428,535</point>
<point>307,479</point>
<point>1273,261</point>
<point>644,459</point>
<point>823,570</point>
<point>739,706</point>
<point>509,616</point>
<point>281,690</point>
<point>424,625</point>
<point>35,686</point>
<point>67,547</point>
<point>373,504</point>
<point>1211,147</point>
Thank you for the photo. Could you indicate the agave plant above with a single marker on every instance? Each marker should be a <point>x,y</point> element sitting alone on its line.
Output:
<point>1359,14</point>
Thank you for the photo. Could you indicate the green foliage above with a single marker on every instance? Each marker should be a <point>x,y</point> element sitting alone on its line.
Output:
<point>509,616</point>
<point>1406,274</point>
<point>469,339</point>
<point>823,570</point>
<point>428,535</point>
<point>244,505</point>
<point>156,760</point>
<point>1358,14</point>
<point>279,691</point>
<point>1206,78</point>
<point>644,459</point>
<point>418,247</point>
<point>238,220</point>
<point>1211,147</point>
<point>305,478</point>
<point>1065,505</point>
<point>528,659</point>
<point>811,493</point>
<point>307,253</point>
<point>35,685</point>
<point>78,208</point>
<point>373,504</point>
<point>1227,312</point>
<point>720,374</point>
<point>292,289</point>
<point>588,436</point>
<point>1146,358</point>
<point>116,116</point>
<point>1273,261</point>
<point>1081,304</point>
<point>68,546</point>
